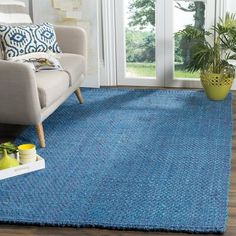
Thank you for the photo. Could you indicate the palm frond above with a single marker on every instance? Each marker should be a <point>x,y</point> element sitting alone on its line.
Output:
<point>206,56</point>
<point>202,57</point>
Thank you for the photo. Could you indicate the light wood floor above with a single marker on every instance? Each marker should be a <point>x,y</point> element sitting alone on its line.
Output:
<point>6,230</point>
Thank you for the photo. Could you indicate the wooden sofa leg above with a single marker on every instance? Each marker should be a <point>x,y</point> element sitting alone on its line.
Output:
<point>79,96</point>
<point>41,137</point>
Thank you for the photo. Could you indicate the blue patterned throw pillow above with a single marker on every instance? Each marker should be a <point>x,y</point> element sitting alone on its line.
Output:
<point>21,40</point>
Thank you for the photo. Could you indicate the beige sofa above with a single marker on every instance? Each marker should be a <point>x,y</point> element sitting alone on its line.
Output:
<point>28,98</point>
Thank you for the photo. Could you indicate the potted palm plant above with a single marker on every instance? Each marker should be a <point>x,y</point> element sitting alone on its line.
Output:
<point>213,53</point>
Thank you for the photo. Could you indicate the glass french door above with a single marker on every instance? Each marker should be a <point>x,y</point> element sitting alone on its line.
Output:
<point>151,43</point>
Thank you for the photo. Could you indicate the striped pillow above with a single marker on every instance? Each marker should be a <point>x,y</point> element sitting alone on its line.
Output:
<point>13,12</point>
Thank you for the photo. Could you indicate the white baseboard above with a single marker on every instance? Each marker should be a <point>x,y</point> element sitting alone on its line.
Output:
<point>234,85</point>
<point>91,82</point>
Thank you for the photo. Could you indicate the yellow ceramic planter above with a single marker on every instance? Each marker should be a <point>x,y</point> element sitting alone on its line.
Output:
<point>216,86</point>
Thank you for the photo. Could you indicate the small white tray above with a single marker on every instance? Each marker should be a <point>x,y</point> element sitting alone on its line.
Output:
<point>23,169</point>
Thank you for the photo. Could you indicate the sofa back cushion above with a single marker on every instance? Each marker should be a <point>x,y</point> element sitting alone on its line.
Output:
<point>21,40</point>
<point>13,12</point>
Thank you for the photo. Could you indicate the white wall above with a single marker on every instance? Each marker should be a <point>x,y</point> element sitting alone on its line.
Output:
<point>26,2</point>
<point>44,12</point>
<point>231,5</point>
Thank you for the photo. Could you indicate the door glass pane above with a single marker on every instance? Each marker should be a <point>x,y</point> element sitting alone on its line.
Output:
<point>140,38</point>
<point>188,14</point>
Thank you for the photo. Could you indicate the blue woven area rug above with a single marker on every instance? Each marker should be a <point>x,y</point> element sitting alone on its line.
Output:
<point>129,159</point>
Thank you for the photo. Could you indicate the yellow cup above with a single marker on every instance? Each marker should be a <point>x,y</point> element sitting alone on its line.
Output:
<point>27,153</point>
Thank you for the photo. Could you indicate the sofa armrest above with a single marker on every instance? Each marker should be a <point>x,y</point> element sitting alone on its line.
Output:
<point>19,101</point>
<point>72,39</point>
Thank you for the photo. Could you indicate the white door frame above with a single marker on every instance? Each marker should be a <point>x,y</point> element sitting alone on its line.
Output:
<point>108,44</point>
<point>121,53</point>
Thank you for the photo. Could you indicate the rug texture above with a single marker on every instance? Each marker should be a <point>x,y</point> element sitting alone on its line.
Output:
<point>129,159</point>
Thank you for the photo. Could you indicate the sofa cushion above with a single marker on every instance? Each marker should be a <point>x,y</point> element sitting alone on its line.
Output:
<point>74,65</point>
<point>51,86</point>
<point>14,12</point>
